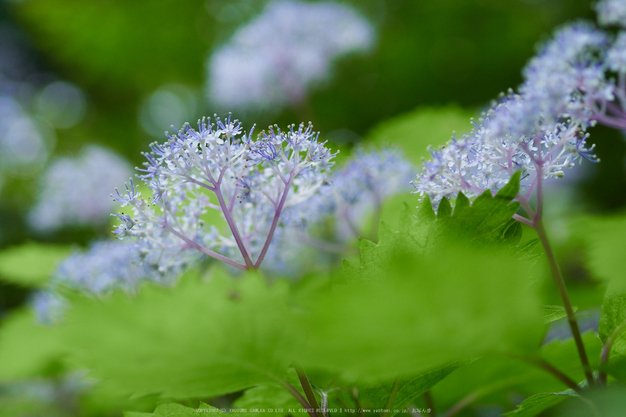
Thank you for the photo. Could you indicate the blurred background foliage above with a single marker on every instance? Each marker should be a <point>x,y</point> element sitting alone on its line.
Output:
<point>125,71</point>
<point>142,65</point>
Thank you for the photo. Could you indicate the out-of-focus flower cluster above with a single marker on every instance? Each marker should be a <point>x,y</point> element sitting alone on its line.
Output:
<point>219,168</point>
<point>324,226</point>
<point>74,191</point>
<point>274,59</point>
<point>108,266</point>
<point>32,105</point>
<point>360,187</point>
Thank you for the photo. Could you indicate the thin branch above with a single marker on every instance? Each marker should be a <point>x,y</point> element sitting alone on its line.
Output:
<point>551,369</point>
<point>294,392</point>
<point>233,226</point>
<point>524,220</point>
<point>571,318</point>
<point>204,250</point>
<point>430,403</point>
<point>277,214</point>
<point>308,390</point>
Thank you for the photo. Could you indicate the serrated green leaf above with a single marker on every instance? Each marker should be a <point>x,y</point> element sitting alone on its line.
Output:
<point>421,311</point>
<point>198,339</point>
<point>537,403</point>
<point>31,264</point>
<point>409,389</point>
<point>28,349</point>
<point>425,210</point>
<point>445,209</point>
<point>554,313</point>
<point>487,219</point>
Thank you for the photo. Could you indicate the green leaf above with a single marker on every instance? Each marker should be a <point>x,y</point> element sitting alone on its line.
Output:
<point>488,219</point>
<point>272,396</point>
<point>178,410</point>
<point>445,209</point>
<point>199,339</point>
<point>554,313</point>
<point>28,349</point>
<point>409,389</point>
<point>606,402</point>
<point>492,378</point>
<point>613,326</point>
<point>417,312</point>
<point>31,264</point>
<point>612,319</point>
<point>537,403</point>
<point>415,131</point>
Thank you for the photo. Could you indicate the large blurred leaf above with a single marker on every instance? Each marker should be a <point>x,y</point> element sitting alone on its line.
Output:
<point>31,264</point>
<point>27,349</point>
<point>415,131</point>
<point>404,314</point>
<point>196,340</point>
<point>122,45</point>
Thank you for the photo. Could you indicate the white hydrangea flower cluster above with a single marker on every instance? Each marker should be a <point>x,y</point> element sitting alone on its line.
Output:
<point>221,168</point>
<point>568,75</point>
<point>275,58</point>
<point>503,142</point>
<point>360,187</point>
<point>611,12</point>
<point>105,267</point>
<point>72,190</point>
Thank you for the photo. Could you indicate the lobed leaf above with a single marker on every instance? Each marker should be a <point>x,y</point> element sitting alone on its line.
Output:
<point>199,339</point>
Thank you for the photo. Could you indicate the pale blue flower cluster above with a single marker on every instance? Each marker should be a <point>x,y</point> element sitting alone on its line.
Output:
<point>73,190</point>
<point>611,12</point>
<point>581,71</point>
<point>49,306</point>
<point>362,184</point>
<point>274,59</point>
<point>108,266</point>
<point>511,136</point>
<point>249,181</point>
<point>105,267</point>
<point>577,79</point>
